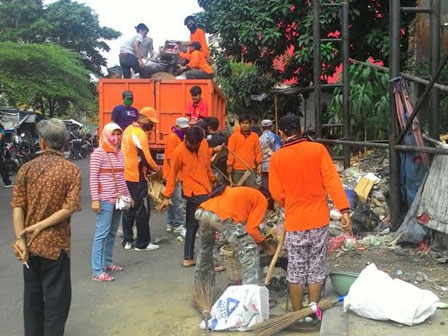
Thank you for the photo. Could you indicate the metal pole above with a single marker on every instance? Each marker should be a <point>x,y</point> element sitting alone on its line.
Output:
<point>435,22</point>
<point>317,67</point>
<point>276,112</point>
<point>394,159</point>
<point>354,143</point>
<point>402,74</point>
<point>383,146</point>
<point>346,79</point>
<point>430,150</point>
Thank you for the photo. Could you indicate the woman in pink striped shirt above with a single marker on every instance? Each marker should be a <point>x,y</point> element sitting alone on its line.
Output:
<point>106,185</point>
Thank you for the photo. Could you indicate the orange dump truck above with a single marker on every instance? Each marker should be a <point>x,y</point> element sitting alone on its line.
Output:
<point>170,98</point>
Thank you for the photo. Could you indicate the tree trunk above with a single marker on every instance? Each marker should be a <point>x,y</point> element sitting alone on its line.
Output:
<point>52,107</point>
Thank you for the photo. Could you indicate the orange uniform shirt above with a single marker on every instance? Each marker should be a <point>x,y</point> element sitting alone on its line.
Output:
<point>193,169</point>
<point>301,175</point>
<point>198,36</point>
<point>135,148</point>
<point>243,205</point>
<point>171,143</point>
<point>198,62</point>
<point>247,148</point>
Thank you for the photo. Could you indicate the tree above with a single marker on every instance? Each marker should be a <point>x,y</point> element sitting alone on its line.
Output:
<point>239,81</point>
<point>46,77</point>
<point>70,24</point>
<point>260,34</point>
<point>369,103</point>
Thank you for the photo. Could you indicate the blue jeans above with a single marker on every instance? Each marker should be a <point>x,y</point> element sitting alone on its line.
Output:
<point>175,215</point>
<point>107,221</point>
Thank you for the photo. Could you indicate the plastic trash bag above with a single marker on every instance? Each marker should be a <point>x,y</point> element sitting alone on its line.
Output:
<point>375,295</point>
<point>240,308</point>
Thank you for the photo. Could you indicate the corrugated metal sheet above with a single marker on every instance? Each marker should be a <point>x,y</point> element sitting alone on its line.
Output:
<point>433,208</point>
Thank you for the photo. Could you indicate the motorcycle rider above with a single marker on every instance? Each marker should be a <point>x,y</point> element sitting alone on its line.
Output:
<point>76,139</point>
<point>3,169</point>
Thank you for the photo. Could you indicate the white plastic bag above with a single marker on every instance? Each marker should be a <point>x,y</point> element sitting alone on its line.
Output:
<point>240,308</point>
<point>377,296</point>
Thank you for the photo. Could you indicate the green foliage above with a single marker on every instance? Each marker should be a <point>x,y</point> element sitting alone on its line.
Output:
<point>46,77</point>
<point>369,103</point>
<point>422,69</point>
<point>70,24</point>
<point>238,81</point>
<point>259,33</point>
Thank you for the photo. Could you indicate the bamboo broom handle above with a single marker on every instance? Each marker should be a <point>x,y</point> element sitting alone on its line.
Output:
<point>275,258</point>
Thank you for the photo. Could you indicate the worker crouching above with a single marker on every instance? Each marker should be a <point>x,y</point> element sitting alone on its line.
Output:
<point>236,213</point>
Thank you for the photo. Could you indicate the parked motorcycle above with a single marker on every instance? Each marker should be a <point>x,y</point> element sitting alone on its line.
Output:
<point>86,148</point>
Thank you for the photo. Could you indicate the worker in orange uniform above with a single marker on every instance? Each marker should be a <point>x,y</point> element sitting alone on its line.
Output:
<point>137,159</point>
<point>175,218</point>
<point>246,145</point>
<point>301,176</point>
<point>236,212</point>
<point>196,35</point>
<point>191,162</point>
<point>198,67</point>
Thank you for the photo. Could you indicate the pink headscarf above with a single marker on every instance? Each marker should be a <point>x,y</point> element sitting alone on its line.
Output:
<point>107,132</point>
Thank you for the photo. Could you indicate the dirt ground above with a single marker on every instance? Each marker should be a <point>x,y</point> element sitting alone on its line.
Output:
<point>407,264</point>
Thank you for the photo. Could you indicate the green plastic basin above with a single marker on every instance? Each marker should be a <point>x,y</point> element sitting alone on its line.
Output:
<point>342,281</point>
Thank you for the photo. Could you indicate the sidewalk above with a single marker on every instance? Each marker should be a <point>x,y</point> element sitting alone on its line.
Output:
<point>337,323</point>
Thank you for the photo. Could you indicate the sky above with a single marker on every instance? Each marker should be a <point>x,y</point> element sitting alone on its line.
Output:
<point>165,19</point>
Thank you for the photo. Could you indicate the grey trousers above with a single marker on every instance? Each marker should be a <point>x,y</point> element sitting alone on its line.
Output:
<point>250,181</point>
<point>237,237</point>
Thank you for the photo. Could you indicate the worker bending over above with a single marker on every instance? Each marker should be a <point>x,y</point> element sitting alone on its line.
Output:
<point>236,213</point>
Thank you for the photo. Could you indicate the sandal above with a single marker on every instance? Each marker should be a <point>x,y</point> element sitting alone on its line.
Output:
<point>103,277</point>
<point>189,265</point>
<point>114,268</point>
<point>219,268</point>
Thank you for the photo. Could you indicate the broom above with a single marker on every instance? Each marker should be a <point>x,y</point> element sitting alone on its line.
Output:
<point>277,324</point>
<point>204,296</point>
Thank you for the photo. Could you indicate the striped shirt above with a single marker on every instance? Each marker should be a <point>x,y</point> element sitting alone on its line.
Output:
<point>102,185</point>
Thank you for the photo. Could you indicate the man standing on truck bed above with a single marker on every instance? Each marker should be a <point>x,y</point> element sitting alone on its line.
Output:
<point>136,154</point>
<point>130,57</point>
<point>124,115</point>
<point>197,35</point>
<point>198,108</point>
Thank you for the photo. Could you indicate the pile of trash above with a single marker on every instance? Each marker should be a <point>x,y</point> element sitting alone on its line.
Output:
<point>366,185</point>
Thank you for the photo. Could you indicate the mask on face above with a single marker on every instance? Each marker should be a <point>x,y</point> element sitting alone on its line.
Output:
<point>128,102</point>
<point>147,127</point>
<point>114,139</point>
<point>193,28</point>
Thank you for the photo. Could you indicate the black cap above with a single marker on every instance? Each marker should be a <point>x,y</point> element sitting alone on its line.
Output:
<point>128,94</point>
<point>289,122</point>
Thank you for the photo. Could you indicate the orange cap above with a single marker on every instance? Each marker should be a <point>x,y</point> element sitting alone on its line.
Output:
<point>150,113</point>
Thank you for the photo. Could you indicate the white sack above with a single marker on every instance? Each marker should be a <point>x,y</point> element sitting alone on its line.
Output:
<point>377,296</point>
<point>240,308</point>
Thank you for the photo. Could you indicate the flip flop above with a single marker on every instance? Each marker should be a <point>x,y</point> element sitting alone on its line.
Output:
<point>219,268</point>
<point>189,265</point>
